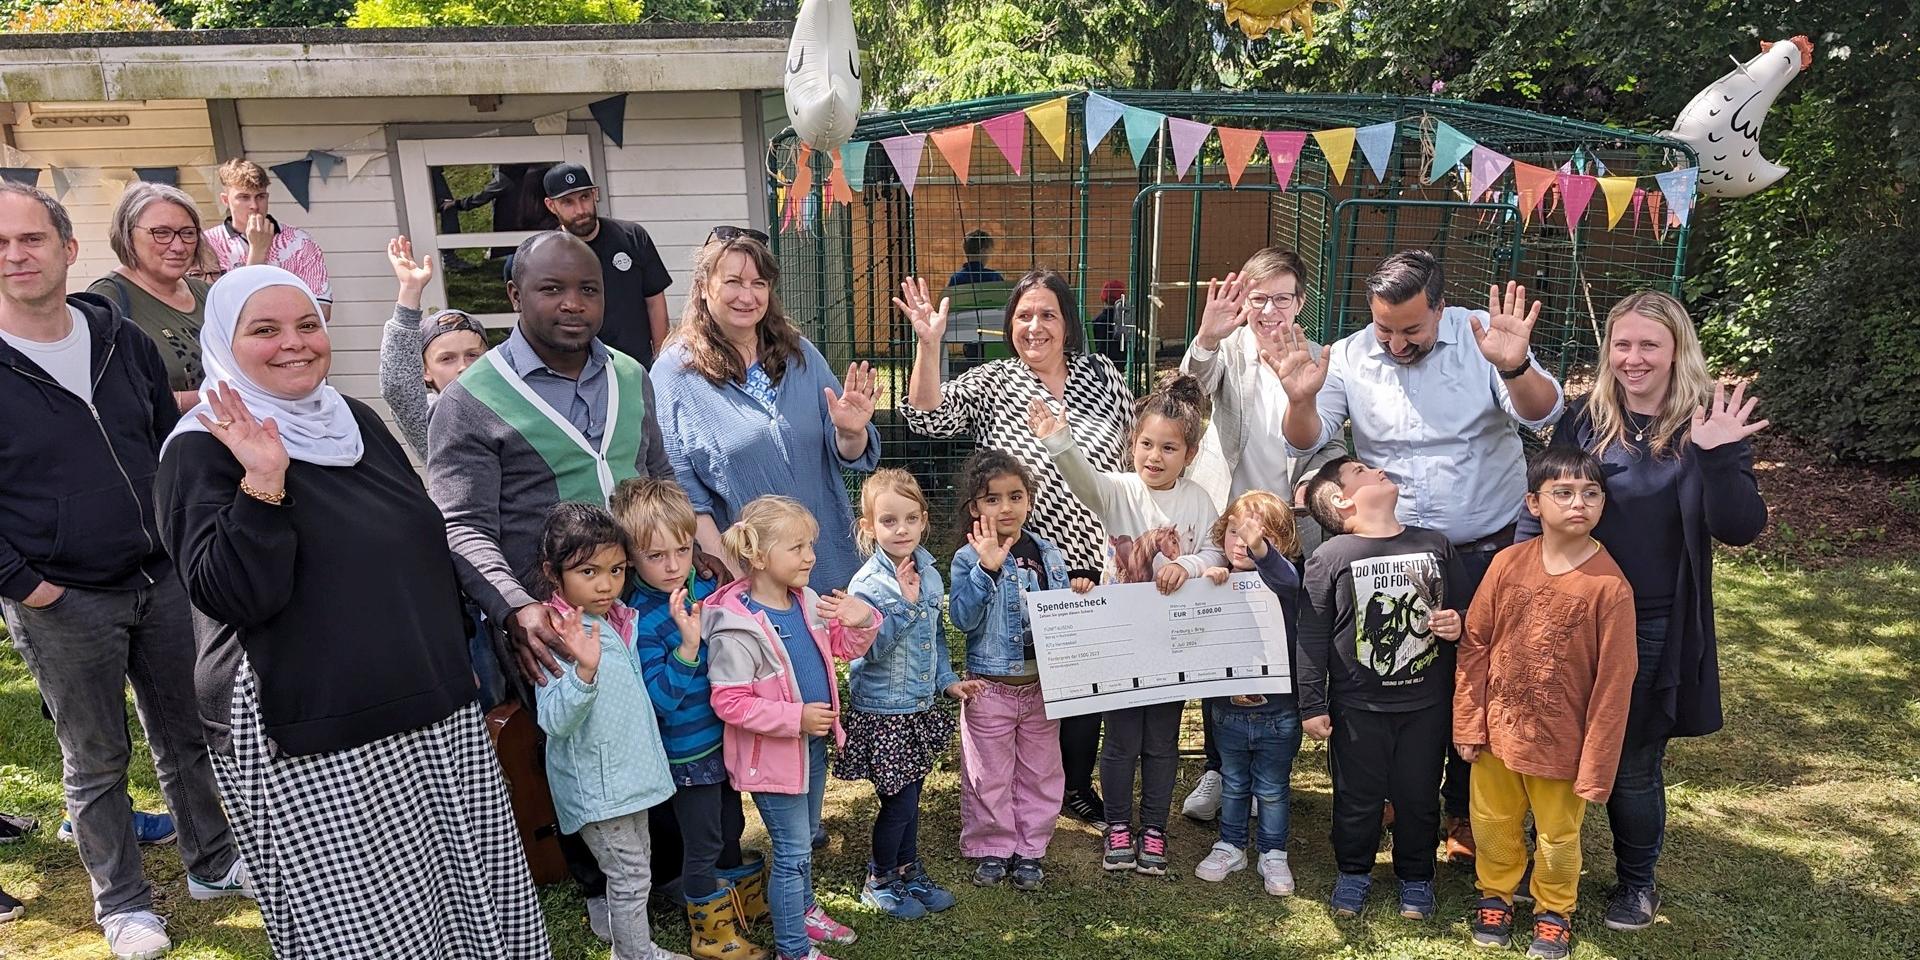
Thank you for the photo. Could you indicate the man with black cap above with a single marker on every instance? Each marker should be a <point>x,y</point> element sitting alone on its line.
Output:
<point>636,280</point>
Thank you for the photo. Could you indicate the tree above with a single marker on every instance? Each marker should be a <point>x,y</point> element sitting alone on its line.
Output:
<point>226,14</point>
<point>438,13</point>
<point>82,16</point>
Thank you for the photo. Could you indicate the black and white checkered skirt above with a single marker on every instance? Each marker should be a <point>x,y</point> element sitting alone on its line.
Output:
<point>404,848</point>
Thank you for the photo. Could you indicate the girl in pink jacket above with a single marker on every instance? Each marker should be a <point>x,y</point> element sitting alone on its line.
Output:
<point>771,644</point>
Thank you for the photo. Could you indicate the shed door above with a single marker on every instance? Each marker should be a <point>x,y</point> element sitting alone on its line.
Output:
<point>470,202</point>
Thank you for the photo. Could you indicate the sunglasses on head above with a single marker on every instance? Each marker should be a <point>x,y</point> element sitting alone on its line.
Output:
<point>726,234</point>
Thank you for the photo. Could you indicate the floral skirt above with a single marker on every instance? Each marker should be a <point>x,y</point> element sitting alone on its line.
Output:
<point>893,749</point>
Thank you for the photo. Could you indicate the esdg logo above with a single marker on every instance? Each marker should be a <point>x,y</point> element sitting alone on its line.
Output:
<point>1242,586</point>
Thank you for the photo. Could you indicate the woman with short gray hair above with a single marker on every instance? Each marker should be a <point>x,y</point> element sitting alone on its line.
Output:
<point>156,236</point>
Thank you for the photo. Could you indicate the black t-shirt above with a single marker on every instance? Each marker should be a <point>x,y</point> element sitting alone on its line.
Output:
<point>1364,640</point>
<point>632,271</point>
<point>1032,570</point>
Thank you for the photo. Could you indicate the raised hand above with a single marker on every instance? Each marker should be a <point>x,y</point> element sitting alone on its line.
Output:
<point>1043,421</point>
<point>852,408</point>
<point>909,577</point>
<point>1724,421</point>
<point>850,611</point>
<point>929,321</point>
<point>1223,313</point>
<point>259,233</point>
<point>582,643</point>
<point>412,275</point>
<point>1300,375</point>
<point>966,689</point>
<point>1251,532</point>
<point>1509,328</point>
<point>255,443</point>
<point>687,617</point>
<point>987,543</point>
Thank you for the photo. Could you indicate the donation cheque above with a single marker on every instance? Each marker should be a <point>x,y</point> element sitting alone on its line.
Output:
<point>1126,645</point>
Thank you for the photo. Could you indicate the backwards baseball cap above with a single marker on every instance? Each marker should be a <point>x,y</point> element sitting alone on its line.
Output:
<point>565,178</point>
<point>448,321</point>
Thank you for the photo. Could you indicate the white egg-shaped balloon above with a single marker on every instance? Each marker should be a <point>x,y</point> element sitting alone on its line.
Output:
<point>823,74</point>
<point>1722,122</point>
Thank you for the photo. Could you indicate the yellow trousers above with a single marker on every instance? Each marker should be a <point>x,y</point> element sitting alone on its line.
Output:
<point>1499,803</point>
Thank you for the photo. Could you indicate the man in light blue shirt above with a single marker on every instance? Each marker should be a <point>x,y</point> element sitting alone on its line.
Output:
<point>1435,395</point>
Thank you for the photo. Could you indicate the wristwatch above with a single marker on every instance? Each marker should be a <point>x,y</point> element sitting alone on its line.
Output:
<point>1519,371</point>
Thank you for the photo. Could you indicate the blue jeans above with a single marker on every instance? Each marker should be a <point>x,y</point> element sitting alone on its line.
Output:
<point>1637,810</point>
<point>791,819</point>
<point>1256,760</point>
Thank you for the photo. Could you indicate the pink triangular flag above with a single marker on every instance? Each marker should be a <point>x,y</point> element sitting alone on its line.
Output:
<point>1188,135</point>
<point>956,144</point>
<point>1283,148</point>
<point>1576,189</point>
<point>1488,166</point>
<point>1639,197</point>
<point>1236,147</point>
<point>904,153</point>
<point>1009,133</point>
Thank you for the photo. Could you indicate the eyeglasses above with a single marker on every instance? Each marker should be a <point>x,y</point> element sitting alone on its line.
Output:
<point>1565,496</point>
<point>725,234</point>
<point>1260,301</point>
<point>165,235</point>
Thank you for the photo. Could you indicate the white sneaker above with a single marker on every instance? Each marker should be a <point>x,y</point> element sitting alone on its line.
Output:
<point>598,920</point>
<point>658,952</point>
<point>236,883</point>
<point>1276,873</point>
<point>1221,860</point>
<point>136,936</point>
<point>1204,802</point>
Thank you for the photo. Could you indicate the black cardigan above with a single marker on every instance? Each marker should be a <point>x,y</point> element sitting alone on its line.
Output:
<point>343,597</point>
<point>1719,500</point>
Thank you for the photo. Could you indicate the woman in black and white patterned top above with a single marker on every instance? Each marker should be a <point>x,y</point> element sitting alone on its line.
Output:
<point>990,403</point>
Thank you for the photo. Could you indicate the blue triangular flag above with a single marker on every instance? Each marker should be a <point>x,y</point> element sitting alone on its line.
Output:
<point>27,175</point>
<point>1376,143</point>
<point>1102,114</point>
<point>1678,185</point>
<point>1142,126</point>
<point>294,174</point>
<point>853,156</point>
<point>167,175</point>
<point>325,162</point>
<point>611,114</point>
<point>1449,147</point>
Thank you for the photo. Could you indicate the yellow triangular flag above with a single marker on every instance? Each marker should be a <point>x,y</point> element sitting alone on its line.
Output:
<point>1337,145</point>
<point>1050,120</point>
<point>1619,191</point>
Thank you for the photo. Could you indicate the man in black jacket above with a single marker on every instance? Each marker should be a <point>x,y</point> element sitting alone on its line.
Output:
<point>91,597</point>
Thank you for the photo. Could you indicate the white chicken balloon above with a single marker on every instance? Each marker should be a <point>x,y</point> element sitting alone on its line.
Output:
<point>1722,123</point>
<point>823,74</point>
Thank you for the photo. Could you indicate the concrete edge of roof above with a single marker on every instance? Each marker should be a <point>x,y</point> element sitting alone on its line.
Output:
<point>755,29</point>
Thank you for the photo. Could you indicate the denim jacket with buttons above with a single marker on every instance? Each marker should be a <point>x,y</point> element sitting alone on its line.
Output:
<point>908,664</point>
<point>990,610</point>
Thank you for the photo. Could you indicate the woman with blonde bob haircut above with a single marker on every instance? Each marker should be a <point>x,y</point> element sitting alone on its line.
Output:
<point>748,407</point>
<point>1679,478</point>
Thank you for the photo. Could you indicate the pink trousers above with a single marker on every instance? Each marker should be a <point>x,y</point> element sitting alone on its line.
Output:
<point>1011,780</point>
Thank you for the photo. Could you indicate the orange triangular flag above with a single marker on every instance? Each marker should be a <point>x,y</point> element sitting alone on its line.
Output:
<point>1532,182</point>
<point>1237,146</point>
<point>956,144</point>
<point>802,182</point>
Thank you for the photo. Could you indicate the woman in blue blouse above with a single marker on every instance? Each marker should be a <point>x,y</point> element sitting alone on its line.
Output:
<point>748,407</point>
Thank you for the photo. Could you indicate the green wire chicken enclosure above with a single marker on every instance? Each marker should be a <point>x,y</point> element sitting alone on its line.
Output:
<point>1139,241</point>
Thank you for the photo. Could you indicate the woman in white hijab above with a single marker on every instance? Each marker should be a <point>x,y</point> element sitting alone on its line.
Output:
<point>333,674</point>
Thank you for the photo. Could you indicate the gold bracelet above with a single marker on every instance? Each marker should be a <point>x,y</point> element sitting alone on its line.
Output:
<point>272,498</point>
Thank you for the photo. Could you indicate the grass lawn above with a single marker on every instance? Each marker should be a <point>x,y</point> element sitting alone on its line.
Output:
<point>1794,833</point>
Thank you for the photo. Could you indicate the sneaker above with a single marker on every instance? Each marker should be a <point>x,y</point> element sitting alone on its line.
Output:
<point>598,920</point>
<point>1552,937</point>
<point>136,936</point>
<point>1632,908</point>
<point>931,895</point>
<point>14,829</point>
<point>1276,873</point>
<point>1028,875</point>
<point>1416,899</point>
<point>151,829</point>
<point>655,951</point>
<point>824,929</point>
<point>1119,855</point>
<point>889,897</point>
<point>1350,894</point>
<point>1459,840</point>
<point>989,871</point>
<point>1492,923</point>
<point>1153,852</point>
<point>1223,859</point>
<point>10,909</point>
<point>235,883</point>
<point>1204,802</point>
<point>1085,806</point>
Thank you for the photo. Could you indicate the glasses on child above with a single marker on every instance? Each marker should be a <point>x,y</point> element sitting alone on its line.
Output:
<point>725,233</point>
<point>1565,496</point>
<point>165,235</point>
<point>1259,302</point>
